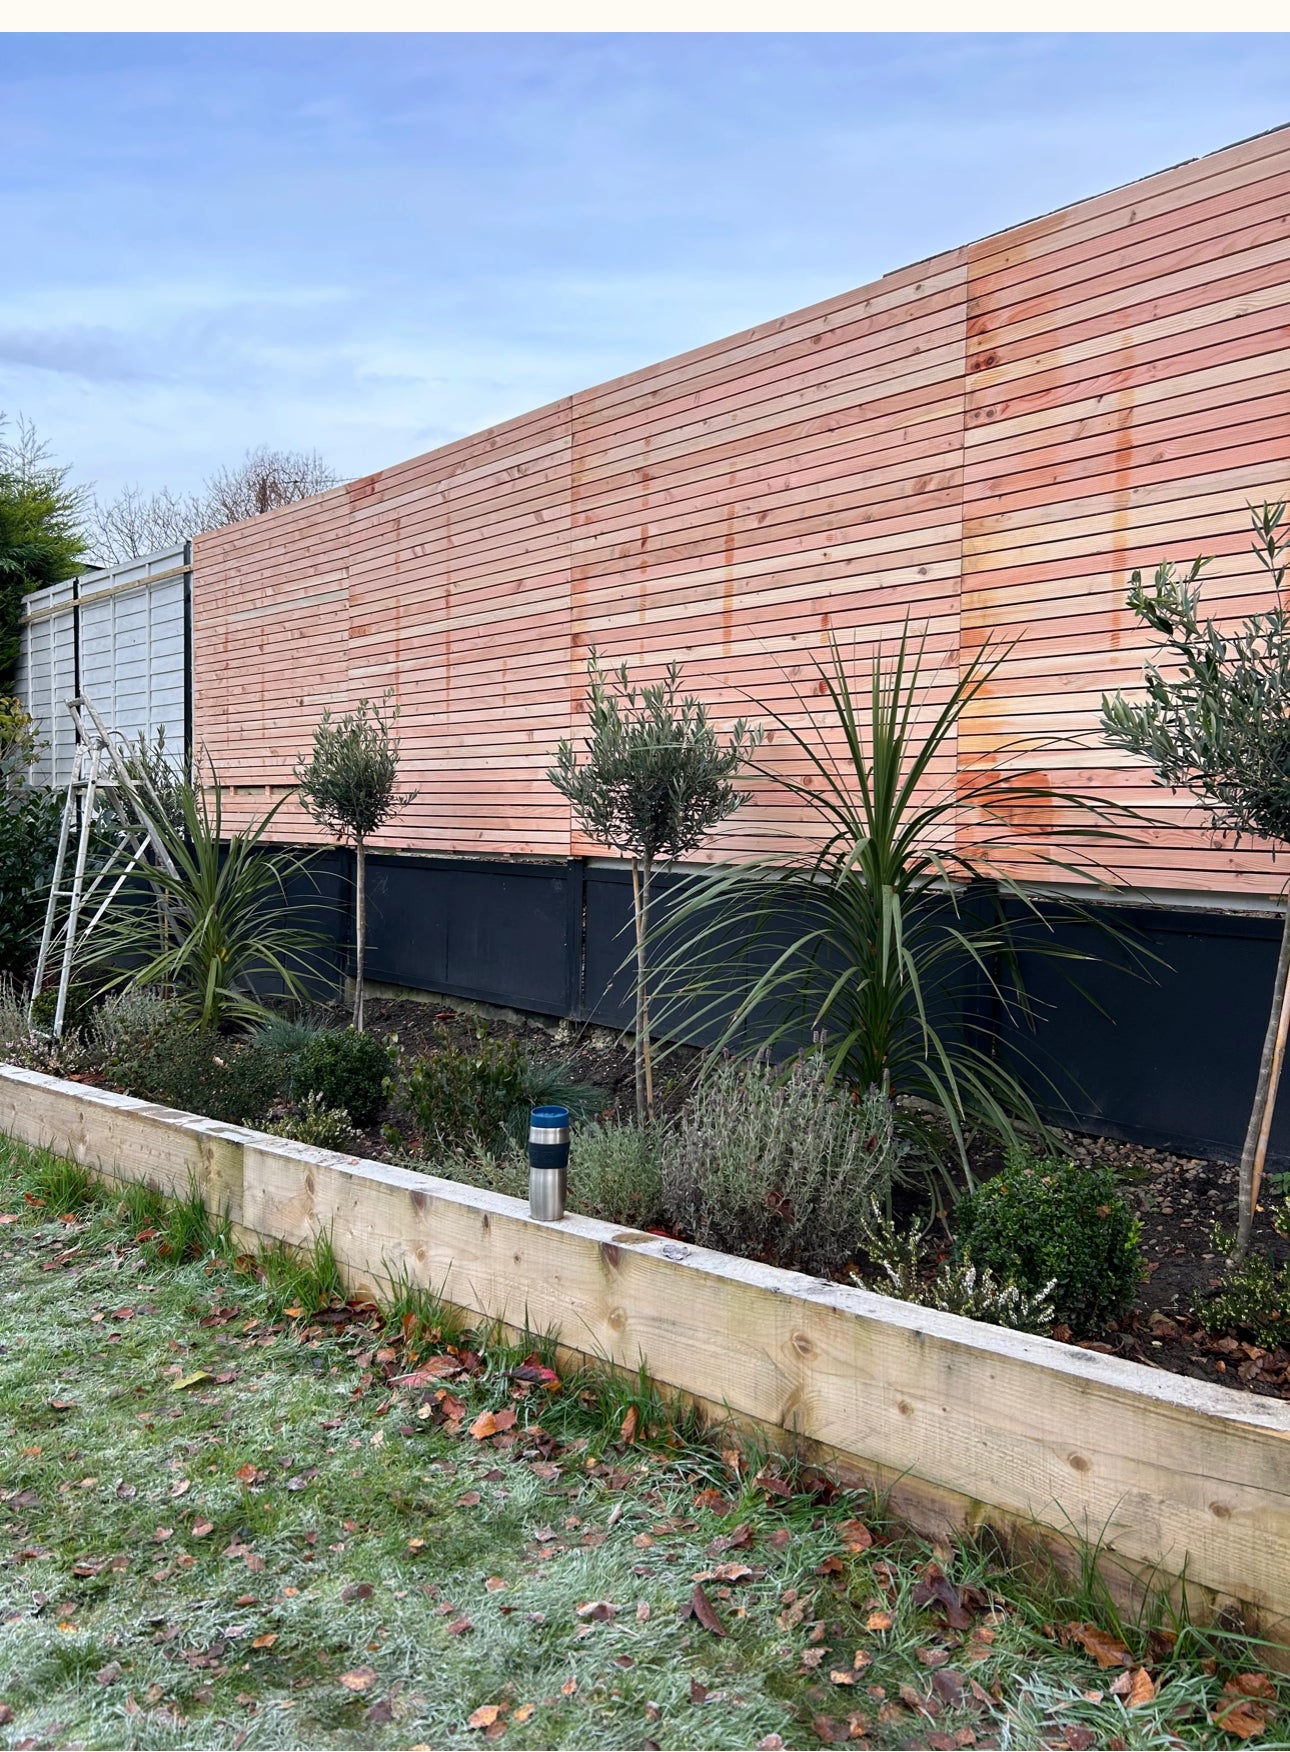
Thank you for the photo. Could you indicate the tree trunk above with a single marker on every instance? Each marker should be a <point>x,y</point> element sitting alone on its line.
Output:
<point>360,929</point>
<point>1265,1095</point>
<point>643,1065</point>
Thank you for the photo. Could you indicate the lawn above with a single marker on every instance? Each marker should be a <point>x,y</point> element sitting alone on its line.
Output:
<point>237,1510</point>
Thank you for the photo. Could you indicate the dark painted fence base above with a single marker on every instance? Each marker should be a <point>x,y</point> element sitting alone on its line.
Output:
<point>1165,1055</point>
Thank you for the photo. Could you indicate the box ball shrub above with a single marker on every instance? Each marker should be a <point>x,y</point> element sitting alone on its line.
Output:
<point>1056,1222</point>
<point>346,1070</point>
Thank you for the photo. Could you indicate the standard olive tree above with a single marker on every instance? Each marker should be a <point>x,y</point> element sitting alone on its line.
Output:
<point>347,786</point>
<point>1218,725</point>
<point>655,781</point>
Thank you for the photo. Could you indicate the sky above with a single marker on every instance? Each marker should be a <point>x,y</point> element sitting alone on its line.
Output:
<point>369,245</point>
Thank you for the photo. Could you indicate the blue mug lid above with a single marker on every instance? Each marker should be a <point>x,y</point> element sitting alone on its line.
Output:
<point>549,1118</point>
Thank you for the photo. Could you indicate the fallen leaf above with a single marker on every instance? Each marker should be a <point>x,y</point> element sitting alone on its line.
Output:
<point>840,1676</point>
<point>468,1499</point>
<point>200,1529</point>
<point>110,1674</point>
<point>485,1425</point>
<point>1142,1688</point>
<point>855,1535</point>
<point>484,1716</point>
<point>266,1641</point>
<point>569,1687</point>
<point>705,1612</point>
<point>879,1621</point>
<point>356,1591</point>
<point>698,1692</point>
<point>459,1627</point>
<point>601,1610</point>
<point>523,1713</point>
<point>1251,1685</point>
<point>8,1217</point>
<point>359,1679</point>
<point>186,1381</point>
<point>495,1584</point>
<point>162,1534</point>
<point>1239,1719</point>
<point>627,1429</point>
<point>378,1714</point>
<point>1106,1650</point>
<point>247,1474</point>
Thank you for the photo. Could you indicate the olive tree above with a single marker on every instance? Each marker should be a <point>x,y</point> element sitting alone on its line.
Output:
<point>347,785</point>
<point>1218,725</point>
<point>655,780</point>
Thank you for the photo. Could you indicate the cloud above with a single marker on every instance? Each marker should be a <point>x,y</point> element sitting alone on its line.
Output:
<point>98,355</point>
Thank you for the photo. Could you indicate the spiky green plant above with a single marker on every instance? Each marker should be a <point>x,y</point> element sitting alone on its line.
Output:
<point>224,920</point>
<point>880,941</point>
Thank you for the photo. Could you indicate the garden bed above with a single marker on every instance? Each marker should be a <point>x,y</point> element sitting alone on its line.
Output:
<point>965,1423</point>
<point>1180,1200</point>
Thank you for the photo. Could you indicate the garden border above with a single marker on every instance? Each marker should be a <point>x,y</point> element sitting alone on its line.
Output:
<point>966,1424</point>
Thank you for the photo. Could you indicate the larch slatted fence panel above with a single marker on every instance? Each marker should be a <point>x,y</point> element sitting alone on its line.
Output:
<point>989,442</point>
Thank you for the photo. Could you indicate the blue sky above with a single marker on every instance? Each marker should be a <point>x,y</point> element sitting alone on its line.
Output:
<point>369,245</point>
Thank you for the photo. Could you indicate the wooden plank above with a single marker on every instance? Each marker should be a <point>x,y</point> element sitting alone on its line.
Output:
<point>1157,1469</point>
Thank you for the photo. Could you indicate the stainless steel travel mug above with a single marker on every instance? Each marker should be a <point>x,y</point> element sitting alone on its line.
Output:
<point>548,1162</point>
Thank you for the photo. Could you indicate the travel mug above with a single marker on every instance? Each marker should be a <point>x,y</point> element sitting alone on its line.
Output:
<point>548,1162</point>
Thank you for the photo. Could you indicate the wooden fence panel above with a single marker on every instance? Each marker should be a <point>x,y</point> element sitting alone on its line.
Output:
<point>988,442</point>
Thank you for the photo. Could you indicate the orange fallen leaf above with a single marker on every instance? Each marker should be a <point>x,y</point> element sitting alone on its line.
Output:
<point>266,1641</point>
<point>523,1713</point>
<point>1106,1650</point>
<point>248,1473</point>
<point>359,1679</point>
<point>569,1687</point>
<point>1239,1719</point>
<point>855,1535</point>
<point>495,1584</point>
<point>485,1425</point>
<point>484,1716</point>
<point>879,1621</point>
<point>627,1429</point>
<point>840,1676</point>
<point>1142,1689</point>
<point>1251,1685</point>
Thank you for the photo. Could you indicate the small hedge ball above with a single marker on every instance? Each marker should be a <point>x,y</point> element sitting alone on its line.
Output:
<point>1054,1220</point>
<point>345,1070</point>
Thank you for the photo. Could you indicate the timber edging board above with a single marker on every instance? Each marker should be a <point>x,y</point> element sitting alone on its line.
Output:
<point>1166,1473</point>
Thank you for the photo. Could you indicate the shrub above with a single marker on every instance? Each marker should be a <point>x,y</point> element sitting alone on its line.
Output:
<point>194,1069</point>
<point>346,1070</point>
<point>81,999</point>
<point>1254,1299</point>
<point>1053,1222</point>
<point>950,1285</point>
<point>327,1128</point>
<point>29,823</point>
<point>614,1174</point>
<point>778,1166</point>
<point>460,1098</point>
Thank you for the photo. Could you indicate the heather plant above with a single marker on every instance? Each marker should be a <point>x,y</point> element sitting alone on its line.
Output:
<point>778,1164</point>
<point>348,786</point>
<point>311,1121</point>
<point>614,1174</point>
<point>1218,726</point>
<point>909,1271</point>
<point>656,779</point>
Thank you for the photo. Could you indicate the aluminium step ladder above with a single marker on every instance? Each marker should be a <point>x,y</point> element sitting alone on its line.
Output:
<point>100,782</point>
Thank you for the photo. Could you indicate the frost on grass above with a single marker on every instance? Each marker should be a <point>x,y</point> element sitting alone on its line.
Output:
<point>236,1511</point>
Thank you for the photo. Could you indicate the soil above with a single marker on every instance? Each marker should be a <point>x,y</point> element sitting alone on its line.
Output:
<point>1179,1199</point>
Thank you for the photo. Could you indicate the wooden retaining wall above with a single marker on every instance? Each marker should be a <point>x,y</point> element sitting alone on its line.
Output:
<point>990,440</point>
<point>970,1423</point>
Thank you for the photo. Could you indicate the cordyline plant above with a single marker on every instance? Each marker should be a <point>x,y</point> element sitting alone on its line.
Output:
<point>1218,725</point>
<point>880,940</point>
<point>655,781</point>
<point>347,786</point>
<point>223,919</point>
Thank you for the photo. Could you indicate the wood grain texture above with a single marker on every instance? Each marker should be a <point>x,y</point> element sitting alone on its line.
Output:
<point>986,1424</point>
<point>990,442</point>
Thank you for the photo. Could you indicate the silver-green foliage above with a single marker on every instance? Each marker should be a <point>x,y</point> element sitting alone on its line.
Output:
<point>654,781</point>
<point>348,785</point>
<point>976,1292</point>
<point>1218,726</point>
<point>779,1164</point>
<point>614,1174</point>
